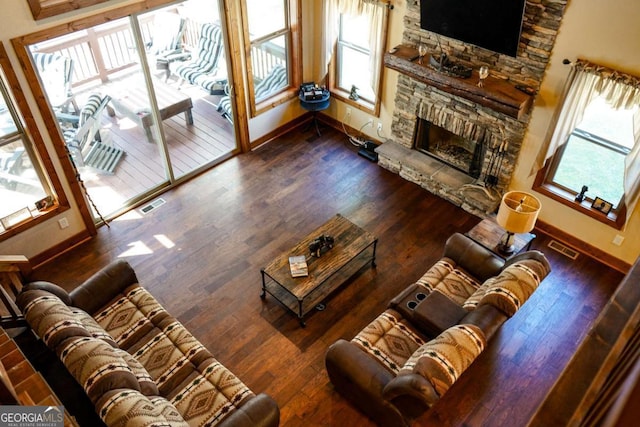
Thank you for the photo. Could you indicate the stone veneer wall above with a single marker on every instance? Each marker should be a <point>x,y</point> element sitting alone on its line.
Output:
<point>463,117</point>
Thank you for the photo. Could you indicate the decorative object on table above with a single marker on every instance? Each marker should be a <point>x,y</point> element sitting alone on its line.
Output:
<point>580,197</point>
<point>44,203</point>
<point>422,51</point>
<point>602,205</point>
<point>314,98</point>
<point>354,93</point>
<point>298,266</point>
<point>483,73</point>
<point>517,214</point>
<point>321,245</point>
<point>311,92</point>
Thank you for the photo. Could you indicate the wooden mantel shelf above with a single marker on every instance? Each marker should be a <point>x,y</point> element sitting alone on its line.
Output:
<point>497,94</point>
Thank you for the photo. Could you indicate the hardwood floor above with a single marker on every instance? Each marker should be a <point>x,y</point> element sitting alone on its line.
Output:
<point>201,252</point>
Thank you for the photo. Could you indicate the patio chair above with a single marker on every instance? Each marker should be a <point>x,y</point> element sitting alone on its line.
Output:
<point>56,74</point>
<point>203,68</point>
<point>165,46</point>
<point>11,165</point>
<point>85,143</point>
<point>275,80</point>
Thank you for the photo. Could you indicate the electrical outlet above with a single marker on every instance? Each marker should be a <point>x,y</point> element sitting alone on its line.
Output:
<point>348,112</point>
<point>63,222</point>
<point>379,126</point>
<point>370,122</point>
<point>618,240</point>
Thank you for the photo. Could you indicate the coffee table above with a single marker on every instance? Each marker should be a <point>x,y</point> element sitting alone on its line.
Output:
<point>134,104</point>
<point>353,248</point>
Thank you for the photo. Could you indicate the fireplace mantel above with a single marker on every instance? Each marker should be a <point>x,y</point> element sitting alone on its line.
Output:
<point>499,95</point>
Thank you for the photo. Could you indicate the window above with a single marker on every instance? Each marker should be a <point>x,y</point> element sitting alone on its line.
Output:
<point>594,154</point>
<point>353,57</point>
<point>593,148</point>
<point>361,33</point>
<point>272,36</point>
<point>24,182</point>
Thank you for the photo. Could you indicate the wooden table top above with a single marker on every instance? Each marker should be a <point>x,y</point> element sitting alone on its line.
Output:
<point>349,241</point>
<point>488,233</point>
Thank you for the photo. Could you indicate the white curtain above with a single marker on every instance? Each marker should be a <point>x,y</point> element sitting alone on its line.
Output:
<point>330,14</point>
<point>585,82</point>
<point>632,169</point>
<point>578,93</point>
<point>374,10</point>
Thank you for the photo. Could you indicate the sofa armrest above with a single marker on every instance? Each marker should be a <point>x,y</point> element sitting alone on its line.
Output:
<point>412,394</point>
<point>486,317</point>
<point>261,411</point>
<point>103,286</point>
<point>476,260</point>
<point>360,379</point>
<point>49,287</point>
<point>436,313</point>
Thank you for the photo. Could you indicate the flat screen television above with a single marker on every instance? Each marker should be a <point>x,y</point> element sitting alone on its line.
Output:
<point>490,24</point>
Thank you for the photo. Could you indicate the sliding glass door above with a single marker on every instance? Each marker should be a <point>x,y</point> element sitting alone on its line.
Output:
<point>135,111</point>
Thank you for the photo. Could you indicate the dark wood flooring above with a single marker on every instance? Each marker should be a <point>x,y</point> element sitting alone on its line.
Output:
<point>200,254</point>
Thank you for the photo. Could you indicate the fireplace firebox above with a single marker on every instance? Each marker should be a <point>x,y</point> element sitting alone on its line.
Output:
<point>454,150</point>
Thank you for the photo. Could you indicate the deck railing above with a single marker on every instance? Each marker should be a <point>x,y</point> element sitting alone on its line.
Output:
<point>100,52</point>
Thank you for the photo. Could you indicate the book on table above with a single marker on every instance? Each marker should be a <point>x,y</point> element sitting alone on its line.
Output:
<point>298,266</point>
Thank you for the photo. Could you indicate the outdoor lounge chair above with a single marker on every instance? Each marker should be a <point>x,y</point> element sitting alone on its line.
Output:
<point>85,143</point>
<point>165,46</point>
<point>11,165</point>
<point>203,68</point>
<point>56,73</point>
<point>275,80</point>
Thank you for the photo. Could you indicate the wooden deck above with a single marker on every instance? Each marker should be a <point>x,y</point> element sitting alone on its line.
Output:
<point>142,167</point>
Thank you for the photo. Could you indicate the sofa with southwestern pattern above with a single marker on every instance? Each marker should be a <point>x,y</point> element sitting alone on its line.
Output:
<point>402,362</point>
<point>138,365</point>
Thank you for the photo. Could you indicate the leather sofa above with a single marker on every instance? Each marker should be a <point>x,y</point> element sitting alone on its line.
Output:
<point>402,362</point>
<point>138,365</point>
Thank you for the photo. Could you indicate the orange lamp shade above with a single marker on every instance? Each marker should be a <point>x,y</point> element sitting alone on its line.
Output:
<point>518,212</point>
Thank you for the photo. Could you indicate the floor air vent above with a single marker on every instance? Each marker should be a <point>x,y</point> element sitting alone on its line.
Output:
<point>565,250</point>
<point>153,205</point>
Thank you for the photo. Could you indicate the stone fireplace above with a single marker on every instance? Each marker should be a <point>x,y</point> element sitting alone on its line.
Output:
<point>447,139</point>
<point>461,153</point>
<point>464,154</point>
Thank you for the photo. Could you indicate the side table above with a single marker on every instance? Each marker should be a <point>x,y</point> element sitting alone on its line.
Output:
<point>488,234</point>
<point>315,105</point>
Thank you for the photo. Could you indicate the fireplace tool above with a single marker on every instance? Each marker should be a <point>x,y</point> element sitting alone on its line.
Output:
<point>495,163</point>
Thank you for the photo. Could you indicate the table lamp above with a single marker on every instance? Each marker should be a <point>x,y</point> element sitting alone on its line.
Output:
<point>517,214</point>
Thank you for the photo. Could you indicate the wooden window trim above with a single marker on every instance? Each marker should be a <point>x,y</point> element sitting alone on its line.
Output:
<point>343,95</point>
<point>294,20</point>
<point>61,203</point>
<point>615,218</point>
<point>41,9</point>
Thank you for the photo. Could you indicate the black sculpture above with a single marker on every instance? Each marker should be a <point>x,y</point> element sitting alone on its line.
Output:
<point>580,197</point>
<point>321,245</point>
